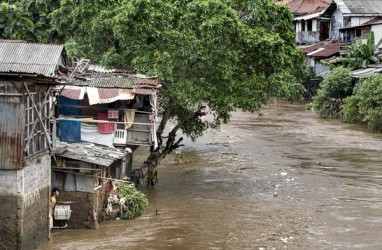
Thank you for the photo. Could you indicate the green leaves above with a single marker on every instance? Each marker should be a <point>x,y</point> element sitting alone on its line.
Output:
<point>366,105</point>
<point>335,87</point>
<point>222,54</point>
<point>136,200</point>
<point>27,20</point>
<point>360,55</point>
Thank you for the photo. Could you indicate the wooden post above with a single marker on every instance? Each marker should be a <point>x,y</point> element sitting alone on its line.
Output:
<point>30,132</point>
<point>40,118</point>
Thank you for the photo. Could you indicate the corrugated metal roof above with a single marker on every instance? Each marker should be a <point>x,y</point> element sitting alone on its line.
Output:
<point>11,135</point>
<point>29,58</point>
<point>89,152</point>
<point>103,69</point>
<point>145,81</point>
<point>325,50</point>
<point>308,17</point>
<point>144,91</point>
<point>362,73</point>
<point>360,6</point>
<point>73,92</point>
<point>120,82</point>
<point>111,82</point>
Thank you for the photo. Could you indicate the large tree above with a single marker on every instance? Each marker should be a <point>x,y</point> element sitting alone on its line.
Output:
<point>28,20</point>
<point>215,55</point>
<point>224,55</point>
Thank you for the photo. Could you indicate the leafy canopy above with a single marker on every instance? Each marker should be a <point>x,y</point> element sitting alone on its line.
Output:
<point>223,54</point>
<point>366,105</point>
<point>28,20</point>
<point>336,86</point>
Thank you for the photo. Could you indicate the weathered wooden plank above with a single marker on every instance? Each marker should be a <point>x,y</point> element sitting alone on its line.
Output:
<point>11,135</point>
<point>39,117</point>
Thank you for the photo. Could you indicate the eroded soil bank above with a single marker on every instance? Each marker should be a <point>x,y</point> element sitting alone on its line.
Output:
<point>281,181</point>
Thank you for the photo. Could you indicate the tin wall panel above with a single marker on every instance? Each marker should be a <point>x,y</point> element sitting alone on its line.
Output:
<point>11,135</point>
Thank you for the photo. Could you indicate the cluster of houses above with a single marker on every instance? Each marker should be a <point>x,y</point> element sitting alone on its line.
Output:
<point>71,126</point>
<point>323,28</point>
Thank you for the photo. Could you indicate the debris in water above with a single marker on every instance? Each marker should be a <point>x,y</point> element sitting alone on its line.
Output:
<point>275,194</point>
<point>283,173</point>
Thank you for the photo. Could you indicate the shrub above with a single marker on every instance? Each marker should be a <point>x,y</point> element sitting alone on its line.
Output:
<point>350,110</point>
<point>336,86</point>
<point>366,105</point>
<point>136,200</point>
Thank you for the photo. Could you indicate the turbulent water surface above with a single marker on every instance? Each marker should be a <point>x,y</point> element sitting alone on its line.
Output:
<point>284,180</point>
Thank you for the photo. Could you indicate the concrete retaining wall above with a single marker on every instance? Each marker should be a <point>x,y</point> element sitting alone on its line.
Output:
<point>24,204</point>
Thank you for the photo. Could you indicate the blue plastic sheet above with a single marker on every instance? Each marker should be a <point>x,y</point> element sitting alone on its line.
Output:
<point>64,108</point>
<point>70,131</point>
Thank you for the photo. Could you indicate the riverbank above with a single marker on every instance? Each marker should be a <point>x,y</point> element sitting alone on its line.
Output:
<point>281,181</point>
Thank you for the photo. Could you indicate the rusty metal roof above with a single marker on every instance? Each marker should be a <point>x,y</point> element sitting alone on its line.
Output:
<point>323,50</point>
<point>303,7</point>
<point>111,82</point>
<point>29,58</point>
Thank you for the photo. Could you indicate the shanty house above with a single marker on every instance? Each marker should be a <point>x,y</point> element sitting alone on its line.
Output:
<point>102,116</point>
<point>114,109</point>
<point>81,171</point>
<point>317,52</point>
<point>27,73</point>
<point>353,19</point>
<point>309,26</point>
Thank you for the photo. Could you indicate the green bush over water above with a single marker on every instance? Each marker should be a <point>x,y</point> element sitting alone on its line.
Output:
<point>335,87</point>
<point>136,201</point>
<point>366,105</point>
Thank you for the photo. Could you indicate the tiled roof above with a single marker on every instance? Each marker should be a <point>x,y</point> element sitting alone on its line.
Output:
<point>29,58</point>
<point>303,7</point>
<point>323,50</point>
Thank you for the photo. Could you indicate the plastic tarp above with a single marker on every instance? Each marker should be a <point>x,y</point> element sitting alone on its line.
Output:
<point>90,134</point>
<point>70,184</point>
<point>105,128</point>
<point>70,131</point>
<point>84,183</point>
<point>65,110</point>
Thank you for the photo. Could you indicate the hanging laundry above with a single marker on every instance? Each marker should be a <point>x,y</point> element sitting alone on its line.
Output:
<point>129,118</point>
<point>70,131</point>
<point>105,128</point>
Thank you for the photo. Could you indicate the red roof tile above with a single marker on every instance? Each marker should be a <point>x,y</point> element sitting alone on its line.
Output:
<point>302,7</point>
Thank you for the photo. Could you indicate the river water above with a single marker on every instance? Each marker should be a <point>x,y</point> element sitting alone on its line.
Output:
<point>285,180</point>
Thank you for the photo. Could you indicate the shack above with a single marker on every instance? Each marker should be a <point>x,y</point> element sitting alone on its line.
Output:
<point>81,172</point>
<point>102,116</point>
<point>110,108</point>
<point>28,71</point>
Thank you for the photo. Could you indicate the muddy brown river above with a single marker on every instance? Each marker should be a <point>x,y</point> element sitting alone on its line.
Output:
<point>285,180</point>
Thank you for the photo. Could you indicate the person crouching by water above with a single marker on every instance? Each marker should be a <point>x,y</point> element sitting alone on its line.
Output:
<point>53,201</point>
